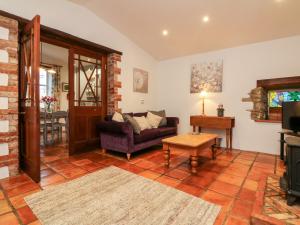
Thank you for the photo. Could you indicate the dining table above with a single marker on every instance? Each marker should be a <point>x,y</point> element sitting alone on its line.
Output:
<point>53,122</point>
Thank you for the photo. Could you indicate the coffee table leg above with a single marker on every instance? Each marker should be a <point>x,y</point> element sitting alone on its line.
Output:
<point>194,163</point>
<point>213,151</point>
<point>166,149</point>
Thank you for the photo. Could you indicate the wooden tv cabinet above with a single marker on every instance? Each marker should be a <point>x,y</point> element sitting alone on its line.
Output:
<point>214,122</point>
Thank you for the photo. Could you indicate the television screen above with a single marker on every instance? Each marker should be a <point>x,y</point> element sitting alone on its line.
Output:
<point>291,116</point>
<point>276,97</point>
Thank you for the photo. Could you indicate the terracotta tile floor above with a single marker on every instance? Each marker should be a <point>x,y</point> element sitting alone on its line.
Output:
<point>230,181</point>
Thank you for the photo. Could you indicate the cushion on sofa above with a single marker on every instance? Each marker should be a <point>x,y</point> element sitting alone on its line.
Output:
<point>164,131</point>
<point>109,117</point>
<point>133,123</point>
<point>142,122</point>
<point>153,119</point>
<point>118,117</point>
<point>161,113</point>
<point>146,135</point>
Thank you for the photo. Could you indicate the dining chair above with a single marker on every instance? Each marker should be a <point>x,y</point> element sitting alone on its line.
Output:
<point>43,127</point>
<point>58,124</point>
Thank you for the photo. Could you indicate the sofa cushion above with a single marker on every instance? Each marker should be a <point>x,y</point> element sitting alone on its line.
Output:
<point>146,135</point>
<point>162,114</point>
<point>118,117</point>
<point>153,120</point>
<point>134,124</point>
<point>109,117</point>
<point>165,131</point>
<point>142,122</point>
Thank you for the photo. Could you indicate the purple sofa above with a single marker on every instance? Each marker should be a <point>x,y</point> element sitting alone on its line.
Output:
<point>119,136</point>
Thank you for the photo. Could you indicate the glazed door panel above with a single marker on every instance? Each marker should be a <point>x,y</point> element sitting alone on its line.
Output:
<point>87,98</point>
<point>29,99</point>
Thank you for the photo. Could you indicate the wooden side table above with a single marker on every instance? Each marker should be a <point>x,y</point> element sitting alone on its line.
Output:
<point>215,122</point>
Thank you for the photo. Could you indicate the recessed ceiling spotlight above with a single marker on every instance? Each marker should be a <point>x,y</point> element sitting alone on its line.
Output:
<point>205,19</point>
<point>279,1</point>
<point>165,32</point>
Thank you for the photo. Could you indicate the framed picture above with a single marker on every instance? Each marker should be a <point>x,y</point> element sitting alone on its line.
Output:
<point>140,81</point>
<point>207,76</point>
<point>65,87</point>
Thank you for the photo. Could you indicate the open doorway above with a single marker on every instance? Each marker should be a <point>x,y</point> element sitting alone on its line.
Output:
<point>54,105</point>
<point>81,64</point>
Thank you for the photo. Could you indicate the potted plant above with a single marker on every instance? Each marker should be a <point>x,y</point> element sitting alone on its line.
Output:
<point>48,100</point>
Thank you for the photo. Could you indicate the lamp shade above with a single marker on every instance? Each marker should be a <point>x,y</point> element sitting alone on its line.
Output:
<point>203,94</point>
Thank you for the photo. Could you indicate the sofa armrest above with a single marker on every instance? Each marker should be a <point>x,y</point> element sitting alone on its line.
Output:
<point>172,121</point>
<point>114,127</point>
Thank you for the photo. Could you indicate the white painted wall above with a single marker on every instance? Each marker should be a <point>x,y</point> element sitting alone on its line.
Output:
<point>78,21</point>
<point>242,67</point>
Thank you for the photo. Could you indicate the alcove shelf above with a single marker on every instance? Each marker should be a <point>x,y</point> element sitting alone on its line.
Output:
<point>268,121</point>
<point>283,83</point>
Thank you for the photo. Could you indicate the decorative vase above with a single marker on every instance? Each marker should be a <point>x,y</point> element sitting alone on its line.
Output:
<point>220,110</point>
<point>48,108</point>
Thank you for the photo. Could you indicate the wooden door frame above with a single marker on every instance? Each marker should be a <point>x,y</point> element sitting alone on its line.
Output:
<point>74,48</point>
<point>62,39</point>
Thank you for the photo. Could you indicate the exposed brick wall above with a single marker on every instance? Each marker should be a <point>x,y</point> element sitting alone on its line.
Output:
<point>8,97</point>
<point>113,71</point>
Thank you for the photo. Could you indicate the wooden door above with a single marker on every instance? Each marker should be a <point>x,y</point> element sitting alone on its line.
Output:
<point>29,99</point>
<point>87,98</point>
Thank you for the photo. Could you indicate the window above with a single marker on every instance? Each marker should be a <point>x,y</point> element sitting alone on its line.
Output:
<point>276,97</point>
<point>45,85</point>
<point>87,79</point>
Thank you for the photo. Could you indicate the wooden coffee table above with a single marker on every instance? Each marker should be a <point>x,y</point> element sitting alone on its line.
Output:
<point>191,143</point>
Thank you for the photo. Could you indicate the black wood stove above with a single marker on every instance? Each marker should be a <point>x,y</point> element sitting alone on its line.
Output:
<point>290,182</point>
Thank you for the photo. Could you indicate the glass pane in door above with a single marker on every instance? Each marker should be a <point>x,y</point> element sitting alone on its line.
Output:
<point>87,81</point>
<point>26,95</point>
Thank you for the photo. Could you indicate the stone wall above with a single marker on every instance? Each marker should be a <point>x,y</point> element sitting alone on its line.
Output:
<point>8,97</point>
<point>259,97</point>
<point>113,71</point>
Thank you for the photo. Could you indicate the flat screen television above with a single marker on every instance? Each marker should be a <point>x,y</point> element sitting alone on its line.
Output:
<point>291,116</point>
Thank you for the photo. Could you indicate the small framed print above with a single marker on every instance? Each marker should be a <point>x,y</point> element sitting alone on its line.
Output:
<point>140,81</point>
<point>65,87</point>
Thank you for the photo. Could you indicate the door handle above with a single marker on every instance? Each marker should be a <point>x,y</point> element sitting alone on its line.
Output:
<point>22,113</point>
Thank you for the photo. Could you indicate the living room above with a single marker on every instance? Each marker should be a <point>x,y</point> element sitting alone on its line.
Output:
<point>248,43</point>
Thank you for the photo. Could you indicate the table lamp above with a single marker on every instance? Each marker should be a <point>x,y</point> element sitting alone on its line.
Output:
<point>203,95</point>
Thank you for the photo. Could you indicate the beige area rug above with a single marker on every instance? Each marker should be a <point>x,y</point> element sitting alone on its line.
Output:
<point>115,196</point>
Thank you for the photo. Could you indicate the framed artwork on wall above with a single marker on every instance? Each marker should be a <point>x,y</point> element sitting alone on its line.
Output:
<point>140,81</point>
<point>65,87</point>
<point>207,76</point>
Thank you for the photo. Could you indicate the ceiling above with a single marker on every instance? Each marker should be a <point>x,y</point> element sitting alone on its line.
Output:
<point>232,22</point>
